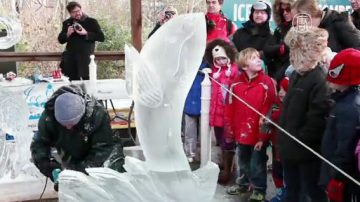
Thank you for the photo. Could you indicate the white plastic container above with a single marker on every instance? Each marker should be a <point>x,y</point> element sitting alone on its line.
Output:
<point>92,69</point>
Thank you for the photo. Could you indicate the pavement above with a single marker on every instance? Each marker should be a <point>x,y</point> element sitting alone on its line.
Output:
<point>222,196</point>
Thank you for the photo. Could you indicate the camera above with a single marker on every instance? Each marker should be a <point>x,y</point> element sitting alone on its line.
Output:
<point>77,26</point>
<point>169,14</point>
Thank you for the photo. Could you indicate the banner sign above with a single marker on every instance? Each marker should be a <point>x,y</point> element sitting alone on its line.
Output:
<point>239,11</point>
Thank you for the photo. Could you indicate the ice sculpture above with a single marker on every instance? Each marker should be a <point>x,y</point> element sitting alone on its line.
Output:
<point>13,32</point>
<point>158,79</point>
<point>15,136</point>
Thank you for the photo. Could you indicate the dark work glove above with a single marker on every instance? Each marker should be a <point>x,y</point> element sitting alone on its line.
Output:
<point>77,167</point>
<point>116,159</point>
<point>82,169</point>
<point>47,166</point>
<point>56,187</point>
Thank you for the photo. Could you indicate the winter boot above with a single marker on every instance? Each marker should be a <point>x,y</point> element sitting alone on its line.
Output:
<point>257,196</point>
<point>225,175</point>
<point>280,195</point>
<point>238,190</point>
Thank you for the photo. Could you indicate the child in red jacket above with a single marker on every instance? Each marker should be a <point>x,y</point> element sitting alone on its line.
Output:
<point>243,124</point>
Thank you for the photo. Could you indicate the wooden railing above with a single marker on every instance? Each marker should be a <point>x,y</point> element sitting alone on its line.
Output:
<point>54,56</point>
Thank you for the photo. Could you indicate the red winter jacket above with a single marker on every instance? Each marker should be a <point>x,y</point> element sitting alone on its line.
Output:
<point>221,27</point>
<point>242,123</point>
<point>218,95</point>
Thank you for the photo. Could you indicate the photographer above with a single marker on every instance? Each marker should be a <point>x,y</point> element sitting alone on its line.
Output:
<point>80,33</point>
<point>164,15</point>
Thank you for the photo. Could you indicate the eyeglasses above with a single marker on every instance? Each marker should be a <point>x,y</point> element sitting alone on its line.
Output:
<point>287,9</point>
<point>75,11</point>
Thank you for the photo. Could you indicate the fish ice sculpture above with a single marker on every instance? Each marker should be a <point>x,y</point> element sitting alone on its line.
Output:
<point>161,79</point>
<point>158,79</point>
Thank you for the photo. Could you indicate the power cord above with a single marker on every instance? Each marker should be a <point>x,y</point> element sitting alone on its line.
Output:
<point>129,122</point>
<point>46,181</point>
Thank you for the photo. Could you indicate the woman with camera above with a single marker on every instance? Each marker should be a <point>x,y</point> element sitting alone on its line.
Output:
<point>164,15</point>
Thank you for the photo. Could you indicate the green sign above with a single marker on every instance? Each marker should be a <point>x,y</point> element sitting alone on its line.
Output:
<point>239,10</point>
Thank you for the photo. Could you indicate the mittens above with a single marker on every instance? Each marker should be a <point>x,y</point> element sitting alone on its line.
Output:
<point>335,190</point>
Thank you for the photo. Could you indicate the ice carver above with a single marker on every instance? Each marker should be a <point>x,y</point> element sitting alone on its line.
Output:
<point>78,126</point>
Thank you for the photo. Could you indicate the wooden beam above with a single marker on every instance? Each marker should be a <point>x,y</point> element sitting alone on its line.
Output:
<point>54,56</point>
<point>136,23</point>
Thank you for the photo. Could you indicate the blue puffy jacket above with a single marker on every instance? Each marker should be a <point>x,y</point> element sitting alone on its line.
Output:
<point>193,102</point>
<point>341,136</point>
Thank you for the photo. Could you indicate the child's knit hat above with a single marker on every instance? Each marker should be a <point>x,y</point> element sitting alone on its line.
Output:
<point>345,68</point>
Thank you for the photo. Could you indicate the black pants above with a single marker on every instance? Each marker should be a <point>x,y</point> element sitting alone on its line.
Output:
<point>277,170</point>
<point>75,65</point>
<point>301,181</point>
<point>352,192</point>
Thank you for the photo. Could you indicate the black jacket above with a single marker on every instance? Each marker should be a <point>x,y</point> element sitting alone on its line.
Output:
<point>342,33</point>
<point>355,17</point>
<point>79,47</point>
<point>277,63</point>
<point>88,144</point>
<point>77,42</point>
<point>341,135</point>
<point>252,36</point>
<point>304,111</point>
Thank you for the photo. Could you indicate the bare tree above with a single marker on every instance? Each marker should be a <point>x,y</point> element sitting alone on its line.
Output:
<point>42,19</point>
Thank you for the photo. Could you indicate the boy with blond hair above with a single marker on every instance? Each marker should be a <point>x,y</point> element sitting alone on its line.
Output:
<point>243,124</point>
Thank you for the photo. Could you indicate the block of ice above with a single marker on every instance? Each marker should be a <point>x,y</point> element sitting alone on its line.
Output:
<point>15,136</point>
<point>13,32</point>
<point>158,79</point>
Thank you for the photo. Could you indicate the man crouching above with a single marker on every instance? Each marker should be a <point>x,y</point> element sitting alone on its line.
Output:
<point>78,127</point>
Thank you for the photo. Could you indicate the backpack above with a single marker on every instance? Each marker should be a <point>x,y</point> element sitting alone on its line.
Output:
<point>210,24</point>
<point>357,154</point>
<point>357,148</point>
<point>229,26</point>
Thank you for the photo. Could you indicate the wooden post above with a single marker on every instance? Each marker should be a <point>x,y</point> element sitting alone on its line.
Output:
<point>136,23</point>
